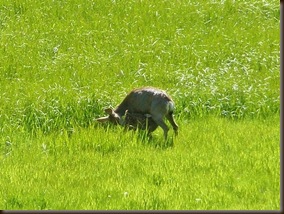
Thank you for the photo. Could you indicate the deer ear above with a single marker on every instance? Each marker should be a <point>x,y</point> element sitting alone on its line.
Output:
<point>109,111</point>
<point>102,119</point>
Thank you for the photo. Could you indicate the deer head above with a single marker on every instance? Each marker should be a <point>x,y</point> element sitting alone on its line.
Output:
<point>112,117</point>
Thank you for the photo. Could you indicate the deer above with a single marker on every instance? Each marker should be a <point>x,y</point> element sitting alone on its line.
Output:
<point>154,102</point>
<point>134,121</point>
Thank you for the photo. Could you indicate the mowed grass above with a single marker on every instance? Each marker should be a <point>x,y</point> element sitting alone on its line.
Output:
<point>62,62</point>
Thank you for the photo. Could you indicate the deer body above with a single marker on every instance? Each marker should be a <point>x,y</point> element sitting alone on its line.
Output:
<point>146,100</point>
<point>133,121</point>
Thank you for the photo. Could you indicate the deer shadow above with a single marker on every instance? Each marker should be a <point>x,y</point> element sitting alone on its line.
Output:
<point>151,140</point>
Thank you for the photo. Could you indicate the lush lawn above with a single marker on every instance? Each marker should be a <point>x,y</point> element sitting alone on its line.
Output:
<point>62,62</point>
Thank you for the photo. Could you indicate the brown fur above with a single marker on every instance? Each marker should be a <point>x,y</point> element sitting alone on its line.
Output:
<point>142,102</point>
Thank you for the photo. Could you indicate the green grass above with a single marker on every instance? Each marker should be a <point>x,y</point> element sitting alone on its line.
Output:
<point>214,164</point>
<point>62,62</point>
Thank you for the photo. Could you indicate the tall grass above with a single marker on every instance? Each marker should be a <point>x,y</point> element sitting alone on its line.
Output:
<point>220,58</point>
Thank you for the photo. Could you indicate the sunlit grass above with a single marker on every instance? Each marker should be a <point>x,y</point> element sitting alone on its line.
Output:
<point>213,164</point>
<point>62,62</point>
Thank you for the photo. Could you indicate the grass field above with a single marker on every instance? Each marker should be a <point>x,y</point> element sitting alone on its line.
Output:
<point>62,62</point>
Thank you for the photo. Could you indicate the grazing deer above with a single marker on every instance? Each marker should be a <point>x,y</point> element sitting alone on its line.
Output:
<point>146,100</point>
<point>133,121</point>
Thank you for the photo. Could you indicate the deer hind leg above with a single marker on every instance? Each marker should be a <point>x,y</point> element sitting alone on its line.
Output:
<point>172,122</point>
<point>160,122</point>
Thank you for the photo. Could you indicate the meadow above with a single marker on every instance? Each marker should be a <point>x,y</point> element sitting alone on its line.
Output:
<point>63,62</point>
